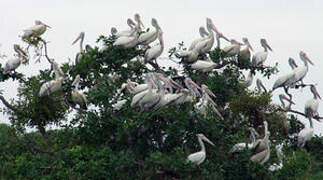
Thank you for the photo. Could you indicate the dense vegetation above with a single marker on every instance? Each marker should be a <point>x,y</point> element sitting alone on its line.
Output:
<point>104,143</point>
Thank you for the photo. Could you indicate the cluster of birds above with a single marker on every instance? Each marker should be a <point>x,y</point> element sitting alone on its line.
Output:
<point>160,91</point>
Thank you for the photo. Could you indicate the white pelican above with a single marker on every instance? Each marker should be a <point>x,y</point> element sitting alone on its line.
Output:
<point>79,54</point>
<point>154,52</point>
<point>260,145</point>
<point>78,97</point>
<point>286,80</point>
<point>312,105</point>
<point>248,81</point>
<point>282,97</point>
<point>150,99</point>
<point>233,49</point>
<point>129,41</point>
<point>275,167</point>
<point>260,57</point>
<point>292,63</point>
<point>13,63</point>
<point>189,56</point>
<point>245,52</point>
<point>241,146</point>
<point>204,66</point>
<point>54,85</point>
<point>301,71</point>
<point>203,32</point>
<point>37,30</point>
<point>118,34</point>
<point>260,86</point>
<point>305,134</point>
<point>165,98</point>
<point>150,36</point>
<point>205,45</point>
<point>262,148</point>
<point>185,96</point>
<point>135,88</point>
<point>198,157</point>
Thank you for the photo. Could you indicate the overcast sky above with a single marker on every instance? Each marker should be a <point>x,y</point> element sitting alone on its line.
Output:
<point>288,26</point>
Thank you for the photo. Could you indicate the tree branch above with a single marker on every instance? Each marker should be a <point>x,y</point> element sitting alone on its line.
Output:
<point>318,118</point>
<point>7,104</point>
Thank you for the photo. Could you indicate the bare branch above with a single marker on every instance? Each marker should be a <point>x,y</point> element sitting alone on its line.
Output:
<point>7,104</point>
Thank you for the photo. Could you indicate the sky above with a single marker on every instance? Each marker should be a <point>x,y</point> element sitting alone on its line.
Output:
<point>289,26</point>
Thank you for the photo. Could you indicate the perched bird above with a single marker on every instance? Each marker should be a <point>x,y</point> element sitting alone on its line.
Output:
<point>260,57</point>
<point>198,157</point>
<point>248,81</point>
<point>240,146</point>
<point>13,63</point>
<point>79,54</point>
<point>262,148</point>
<point>150,36</point>
<point>118,34</point>
<point>203,33</point>
<point>129,41</point>
<point>139,24</point>
<point>37,30</point>
<point>154,52</point>
<point>203,66</point>
<point>78,97</point>
<point>119,104</point>
<point>292,63</point>
<point>54,85</point>
<point>312,105</point>
<point>206,44</point>
<point>301,71</point>
<point>233,49</point>
<point>245,52</point>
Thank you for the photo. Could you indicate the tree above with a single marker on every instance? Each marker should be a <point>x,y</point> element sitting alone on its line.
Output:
<point>105,142</point>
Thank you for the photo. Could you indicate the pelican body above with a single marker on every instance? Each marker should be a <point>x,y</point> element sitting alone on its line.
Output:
<point>13,63</point>
<point>260,57</point>
<point>150,36</point>
<point>155,51</point>
<point>37,30</point>
<point>198,157</point>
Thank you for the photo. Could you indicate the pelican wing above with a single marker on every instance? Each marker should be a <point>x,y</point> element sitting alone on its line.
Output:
<point>196,158</point>
<point>148,37</point>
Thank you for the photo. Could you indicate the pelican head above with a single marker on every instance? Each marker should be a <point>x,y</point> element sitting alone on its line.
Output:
<point>131,23</point>
<point>246,42</point>
<point>202,137</point>
<point>203,31</point>
<point>138,20</point>
<point>207,90</point>
<point>37,22</point>
<point>155,23</point>
<point>264,44</point>
<point>292,63</point>
<point>19,50</point>
<point>304,57</point>
<point>81,36</point>
<point>220,35</point>
<point>260,85</point>
<point>210,24</point>
<point>76,80</point>
<point>314,91</point>
<point>114,31</point>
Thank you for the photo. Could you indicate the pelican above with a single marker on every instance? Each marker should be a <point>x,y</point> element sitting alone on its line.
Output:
<point>189,56</point>
<point>37,30</point>
<point>285,81</point>
<point>203,32</point>
<point>245,53</point>
<point>305,134</point>
<point>198,157</point>
<point>282,97</point>
<point>233,49</point>
<point>260,86</point>
<point>155,51</point>
<point>260,57</point>
<point>260,144</point>
<point>129,41</point>
<point>301,71</point>
<point>192,86</point>
<point>78,97</point>
<point>13,63</point>
<point>292,63</point>
<point>185,96</point>
<point>312,105</point>
<point>117,34</point>
<point>135,88</point>
<point>240,146</point>
<point>150,36</point>
<point>150,99</point>
<point>219,35</point>
<point>248,81</point>
<point>165,99</point>
<point>203,66</point>
<point>54,85</point>
<point>205,46</point>
<point>262,148</point>
<point>275,167</point>
<point>79,54</point>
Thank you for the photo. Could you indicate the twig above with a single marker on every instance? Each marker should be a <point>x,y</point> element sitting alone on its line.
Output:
<point>318,118</point>
<point>7,104</point>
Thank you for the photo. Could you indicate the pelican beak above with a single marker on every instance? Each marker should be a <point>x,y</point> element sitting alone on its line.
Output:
<point>308,59</point>
<point>317,94</point>
<point>250,47</point>
<point>268,46</point>
<point>210,93</point>
<point>224,37</point>
<point>142,24</point>
<point>208,141</point>
<point>46,25</point>
<point>78,38</point>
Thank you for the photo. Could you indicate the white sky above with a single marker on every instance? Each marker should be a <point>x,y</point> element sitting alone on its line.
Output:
<point>288,26</point>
